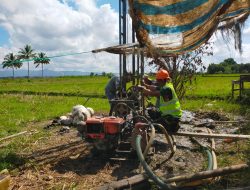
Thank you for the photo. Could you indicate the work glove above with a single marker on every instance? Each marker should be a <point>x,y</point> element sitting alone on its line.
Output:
<point>139,87</point>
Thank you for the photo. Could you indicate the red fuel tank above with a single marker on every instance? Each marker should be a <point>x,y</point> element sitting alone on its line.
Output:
<point>112,125</point>
<point>104,125</point>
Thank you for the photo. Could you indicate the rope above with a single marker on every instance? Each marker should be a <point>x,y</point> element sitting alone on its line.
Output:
<point>50,57</point>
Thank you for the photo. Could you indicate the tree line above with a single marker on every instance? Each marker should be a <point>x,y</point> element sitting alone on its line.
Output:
<point>228,66</point>
<point>25,55</point>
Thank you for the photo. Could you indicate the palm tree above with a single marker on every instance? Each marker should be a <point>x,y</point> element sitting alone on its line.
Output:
<point>26,53</point>
<point>41,59</point>
<point>11,61</point>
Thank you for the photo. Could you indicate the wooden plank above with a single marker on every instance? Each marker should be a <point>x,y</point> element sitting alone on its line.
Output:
<point>219,122</point>
<point>239,188</point>
<point>239,121</point>
<point>206,135</point>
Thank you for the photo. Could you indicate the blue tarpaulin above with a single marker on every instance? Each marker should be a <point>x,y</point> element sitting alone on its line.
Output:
<point>177,26</point>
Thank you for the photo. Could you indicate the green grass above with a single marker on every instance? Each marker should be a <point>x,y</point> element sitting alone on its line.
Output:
<point>25,102</point>
<point>19,110</point>
<point>213,105</point>
<point>76,86</point>
<point>233,154</point>
<point>212,87</point>
<point>60,94</point>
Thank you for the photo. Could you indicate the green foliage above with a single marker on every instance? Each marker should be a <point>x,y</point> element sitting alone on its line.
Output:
<point>228,66</point>
<point>109,75</point>
<point>229,61</point>
<point>11,61</point>
<point>10,160</point>
<point>26,52</point>
<point>41,59</point>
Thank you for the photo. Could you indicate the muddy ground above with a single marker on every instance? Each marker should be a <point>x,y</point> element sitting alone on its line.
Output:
<point>64,161</point>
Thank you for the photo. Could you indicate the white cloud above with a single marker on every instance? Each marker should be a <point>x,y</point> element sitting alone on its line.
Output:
<point>225,49</point>
<point>79,25</point>
<point>57,28</point>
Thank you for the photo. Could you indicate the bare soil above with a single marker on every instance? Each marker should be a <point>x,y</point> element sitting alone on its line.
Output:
<point>64,161</point>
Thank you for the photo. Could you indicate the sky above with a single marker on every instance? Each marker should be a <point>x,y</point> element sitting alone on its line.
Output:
<point>59,27</point>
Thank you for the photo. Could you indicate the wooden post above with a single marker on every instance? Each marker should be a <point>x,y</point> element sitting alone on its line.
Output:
<point>232,89</point>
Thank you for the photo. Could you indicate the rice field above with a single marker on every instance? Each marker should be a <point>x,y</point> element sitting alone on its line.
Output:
<point>38,99</point>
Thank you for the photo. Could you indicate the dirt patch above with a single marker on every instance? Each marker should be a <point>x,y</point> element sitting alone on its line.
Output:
<point>64,161</point>
<point>212,115</point>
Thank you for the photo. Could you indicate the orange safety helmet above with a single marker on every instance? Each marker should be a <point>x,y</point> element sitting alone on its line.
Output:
<point>162,74</point>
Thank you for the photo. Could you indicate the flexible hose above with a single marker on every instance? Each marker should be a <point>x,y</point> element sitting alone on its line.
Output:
<point>212,150</point>
<point>146,167</point>
<point>215,164</point>
<point>209,167</point>
<point>152,136</point>
<point>209,158</point>
<point>212,163</point>
<point>150,142</point>
<point>172,146</point>
<point>171,143</point>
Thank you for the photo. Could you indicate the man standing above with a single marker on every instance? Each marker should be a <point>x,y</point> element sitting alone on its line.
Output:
<point>168,104</point>
<point>112,88</point>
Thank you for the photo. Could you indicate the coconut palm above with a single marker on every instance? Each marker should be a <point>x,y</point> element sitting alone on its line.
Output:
<point>41,59</point>
<point>11,61</point>
<point>26,53</point>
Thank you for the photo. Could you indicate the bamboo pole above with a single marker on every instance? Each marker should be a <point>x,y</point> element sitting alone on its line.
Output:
<point>220,122</point>
<point>206,135</point>
<point>14,135</point>
<point>207,174</point>
<point>142,178</point>
<point>239,121</point>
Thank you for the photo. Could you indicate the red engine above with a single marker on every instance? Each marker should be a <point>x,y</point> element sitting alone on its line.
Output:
<point>102,129</point>
<point>103,132</point>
